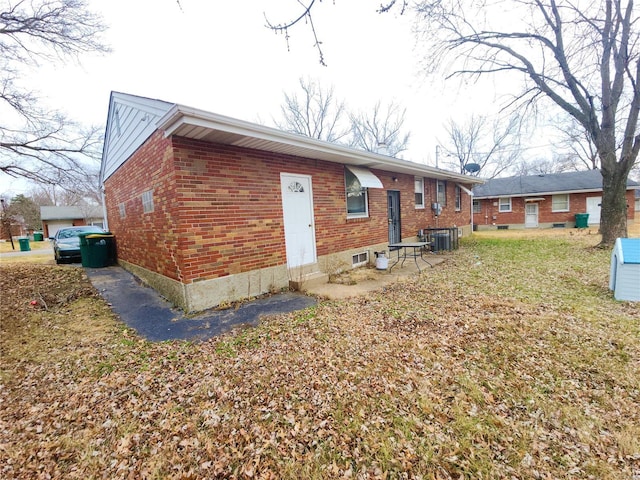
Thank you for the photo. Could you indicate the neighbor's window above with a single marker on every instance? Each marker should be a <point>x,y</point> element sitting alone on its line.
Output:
<point>477,207</point>
<point>504,204</point>
<point>123,210</point>
<point>356,196</point>
<point>419,189</point>
<point>441,195</point>
<point>560,203</point>
<point>458,198</point>
<point>147,201</point>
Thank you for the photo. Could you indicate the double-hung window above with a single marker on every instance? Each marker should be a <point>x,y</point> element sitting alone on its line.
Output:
<point>419,192</point>
<point>357,198</point>
<point>458,198</point>
<point>560,203</point>
<point>147,201</point>
<point>504,204</point>
<point>441,192</point>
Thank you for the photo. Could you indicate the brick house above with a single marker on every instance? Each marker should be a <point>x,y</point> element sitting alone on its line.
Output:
<point>54,218</point>
<point>542,201</point>
<point>209,209</point>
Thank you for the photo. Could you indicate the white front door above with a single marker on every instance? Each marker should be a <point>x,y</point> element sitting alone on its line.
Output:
<point>531,215</point>
<point>593,209</point>
<point>299,230</point>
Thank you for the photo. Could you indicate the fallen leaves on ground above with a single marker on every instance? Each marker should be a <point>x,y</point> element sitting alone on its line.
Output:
<point>510,360</point>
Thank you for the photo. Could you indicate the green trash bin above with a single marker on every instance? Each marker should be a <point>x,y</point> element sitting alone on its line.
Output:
<point>582,220</point>
<point>38,237</point>
<point>99,249</point>
<point>85,253</point>
<point>24,244</point>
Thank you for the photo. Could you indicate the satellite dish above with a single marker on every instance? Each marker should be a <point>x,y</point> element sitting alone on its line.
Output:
<point>472,167</point>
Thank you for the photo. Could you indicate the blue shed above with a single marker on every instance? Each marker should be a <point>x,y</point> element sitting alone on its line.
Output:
<point>625,269</point>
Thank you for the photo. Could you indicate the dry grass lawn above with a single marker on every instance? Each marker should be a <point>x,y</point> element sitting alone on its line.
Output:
<point>510,360</point>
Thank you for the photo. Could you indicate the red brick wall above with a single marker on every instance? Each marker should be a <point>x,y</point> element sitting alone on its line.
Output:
<point>218,208</point>
<point>149,240</point>
<point>577,204</point>
<point>449,216</point>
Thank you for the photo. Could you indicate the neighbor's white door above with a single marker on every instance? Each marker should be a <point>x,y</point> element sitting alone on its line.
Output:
<point>299,230</point>
<point>531,215</point>
<point>593,209</point>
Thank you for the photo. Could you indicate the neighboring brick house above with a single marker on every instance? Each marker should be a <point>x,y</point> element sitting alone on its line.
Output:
<point>209,209</point>
<point>542,201</point>
<point>54,218</point>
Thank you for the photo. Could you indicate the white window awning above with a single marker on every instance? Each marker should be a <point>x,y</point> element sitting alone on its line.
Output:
<point>365,177</point>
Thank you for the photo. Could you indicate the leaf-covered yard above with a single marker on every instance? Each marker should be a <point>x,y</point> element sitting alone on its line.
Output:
<point>510,360</point>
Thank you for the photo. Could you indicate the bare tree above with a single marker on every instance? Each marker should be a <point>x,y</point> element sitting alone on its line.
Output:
<point>380,130</point>
<point>84,190</point>
<point>315,113</point>
<point>304,15</point>
<point>482,147</point>
<point>544,166</point>
<point>576,146</point>
<point>37,144</point>
<point>582,56</point>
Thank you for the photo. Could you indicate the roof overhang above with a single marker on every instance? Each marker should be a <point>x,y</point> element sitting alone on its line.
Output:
<point>210,127</point>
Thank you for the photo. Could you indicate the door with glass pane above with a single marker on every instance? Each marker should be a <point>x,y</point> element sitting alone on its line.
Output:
<point>393,216</point>
<point>299,230</point>
<point>531,215</point>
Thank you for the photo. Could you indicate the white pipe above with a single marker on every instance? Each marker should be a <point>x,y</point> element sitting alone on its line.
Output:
<point>470,193</point>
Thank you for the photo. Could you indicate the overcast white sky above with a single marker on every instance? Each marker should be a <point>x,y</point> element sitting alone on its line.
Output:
<point>218,56</point>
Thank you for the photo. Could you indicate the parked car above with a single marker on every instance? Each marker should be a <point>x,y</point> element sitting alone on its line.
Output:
<point>66,243</point>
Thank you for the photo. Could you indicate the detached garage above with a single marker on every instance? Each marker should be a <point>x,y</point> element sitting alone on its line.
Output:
<point>625,269</point>
<point>54,218</point>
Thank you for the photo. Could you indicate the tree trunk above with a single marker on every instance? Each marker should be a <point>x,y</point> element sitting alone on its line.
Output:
<point>613,215</point>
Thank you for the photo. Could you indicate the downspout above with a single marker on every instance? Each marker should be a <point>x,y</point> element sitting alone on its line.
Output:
<point>470,193</point>
<point>104,208</point>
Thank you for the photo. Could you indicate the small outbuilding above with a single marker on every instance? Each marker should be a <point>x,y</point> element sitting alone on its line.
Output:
<point>625,269</point>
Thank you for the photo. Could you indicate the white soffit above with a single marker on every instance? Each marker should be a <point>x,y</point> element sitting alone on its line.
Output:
<point>365,177</point>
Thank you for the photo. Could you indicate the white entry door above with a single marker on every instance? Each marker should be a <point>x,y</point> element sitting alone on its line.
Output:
<point>531,215</point>
<point>299,230</point>
<point>593,209</point>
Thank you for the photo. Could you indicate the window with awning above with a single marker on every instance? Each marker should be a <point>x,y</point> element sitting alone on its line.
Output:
<point>357,180</point>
